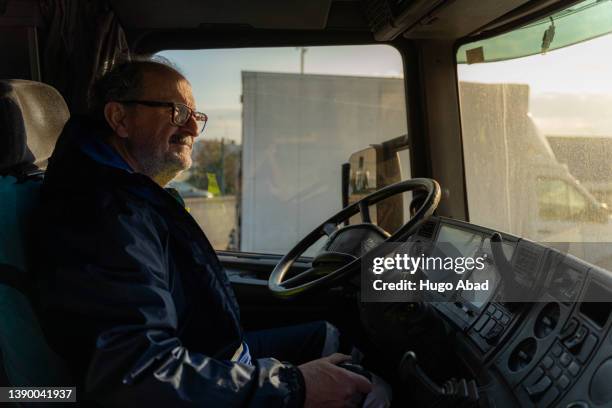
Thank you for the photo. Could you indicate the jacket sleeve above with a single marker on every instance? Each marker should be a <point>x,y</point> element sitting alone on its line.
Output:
<point>109,282</point>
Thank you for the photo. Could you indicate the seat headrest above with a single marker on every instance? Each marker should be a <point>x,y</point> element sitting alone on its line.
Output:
<point>32,116</point>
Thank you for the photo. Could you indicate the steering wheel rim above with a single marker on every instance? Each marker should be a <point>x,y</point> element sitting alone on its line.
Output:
<point>279,288</point>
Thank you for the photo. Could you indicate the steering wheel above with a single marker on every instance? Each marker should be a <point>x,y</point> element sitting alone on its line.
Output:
<point>339,262</point>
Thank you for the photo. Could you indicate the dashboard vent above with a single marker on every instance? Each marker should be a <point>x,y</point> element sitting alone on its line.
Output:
<point>428,229</point>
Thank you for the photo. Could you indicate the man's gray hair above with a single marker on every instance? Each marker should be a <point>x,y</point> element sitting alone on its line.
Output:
<point>124,81</point>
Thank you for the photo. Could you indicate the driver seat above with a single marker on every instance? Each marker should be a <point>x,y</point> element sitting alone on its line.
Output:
<point>32,116</point>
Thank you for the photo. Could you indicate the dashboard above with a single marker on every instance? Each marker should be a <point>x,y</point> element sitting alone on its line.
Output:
<point>540,335</point>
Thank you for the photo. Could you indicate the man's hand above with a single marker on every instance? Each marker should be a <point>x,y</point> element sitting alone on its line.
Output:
<point>328,385</point>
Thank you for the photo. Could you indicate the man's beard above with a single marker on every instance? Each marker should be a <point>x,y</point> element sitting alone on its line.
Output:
<point>163,167</point>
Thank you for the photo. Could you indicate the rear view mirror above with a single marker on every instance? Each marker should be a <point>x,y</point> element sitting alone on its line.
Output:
<point>362,173</point>
<point>371,169</point>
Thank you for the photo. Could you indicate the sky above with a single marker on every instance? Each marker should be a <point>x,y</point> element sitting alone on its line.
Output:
<point>215,75</point>
<point>570,88</point>
<point>584,68</point>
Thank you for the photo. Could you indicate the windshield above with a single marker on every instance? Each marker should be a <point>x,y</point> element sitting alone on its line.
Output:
<point>537,130</point>
<point>282,121</point>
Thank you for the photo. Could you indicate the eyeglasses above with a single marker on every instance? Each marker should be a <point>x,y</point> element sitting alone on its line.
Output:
<point>180,112</point>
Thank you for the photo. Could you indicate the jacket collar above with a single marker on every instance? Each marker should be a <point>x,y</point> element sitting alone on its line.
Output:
<point>89,138</point>
<point>91,141</point>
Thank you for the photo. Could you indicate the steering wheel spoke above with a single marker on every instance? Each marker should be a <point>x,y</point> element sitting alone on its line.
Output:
<point>364,210</point>
<point>303,277</point>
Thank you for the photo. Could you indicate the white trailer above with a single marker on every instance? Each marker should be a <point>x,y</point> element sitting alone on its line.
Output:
<point>305,126</point>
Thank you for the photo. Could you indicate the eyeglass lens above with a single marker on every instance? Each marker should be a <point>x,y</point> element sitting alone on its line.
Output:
<point>182,115</point>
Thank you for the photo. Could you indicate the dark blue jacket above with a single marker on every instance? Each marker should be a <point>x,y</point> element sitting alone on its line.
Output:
<point>132,294</point>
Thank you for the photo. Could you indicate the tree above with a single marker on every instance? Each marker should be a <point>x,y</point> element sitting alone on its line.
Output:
<point>219,157</point>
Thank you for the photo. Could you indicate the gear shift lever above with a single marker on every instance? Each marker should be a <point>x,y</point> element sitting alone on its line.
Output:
<point>452,390</point>
<point>409,367</point>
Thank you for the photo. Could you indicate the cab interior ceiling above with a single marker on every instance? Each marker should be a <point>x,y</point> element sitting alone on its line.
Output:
<point>150,27</point>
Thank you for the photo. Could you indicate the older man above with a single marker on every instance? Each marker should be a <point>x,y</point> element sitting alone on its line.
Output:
<point>132,293</point>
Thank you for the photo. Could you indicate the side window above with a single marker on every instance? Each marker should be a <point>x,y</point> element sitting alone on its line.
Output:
<point>532,108</point>
<point>559,201</point>
<point>552,199</point>
<point>577,203</point>
<point>268,167</point>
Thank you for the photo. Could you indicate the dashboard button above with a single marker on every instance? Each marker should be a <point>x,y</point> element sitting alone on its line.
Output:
<point>490,324</point>
<point>498,315</point>
<point>494,334</point>
<point>547,362</point>
<point>535,375</point>
<point>587,348</point>
<point>555,372</point>
<point>563,382</point>
<point>539,388</point>
<point>505,319</point>
<point>483,320</point>
<point>577,338</point>
<point>565,359</point>
<point>557,350</point>
<point>573,368</point>
<point>491,309</point>
<point>550,397</point>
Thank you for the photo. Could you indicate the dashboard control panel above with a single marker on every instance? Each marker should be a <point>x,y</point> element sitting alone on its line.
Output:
<point>555,350</point>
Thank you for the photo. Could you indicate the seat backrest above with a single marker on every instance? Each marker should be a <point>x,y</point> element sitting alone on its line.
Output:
<point>32,116</point>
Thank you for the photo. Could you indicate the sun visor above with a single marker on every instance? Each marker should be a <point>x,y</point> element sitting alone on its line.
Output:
<point>581,22</point>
